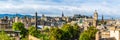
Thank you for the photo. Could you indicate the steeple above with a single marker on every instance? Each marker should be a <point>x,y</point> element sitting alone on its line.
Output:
<point>62,14</point>
<point>102,19</point>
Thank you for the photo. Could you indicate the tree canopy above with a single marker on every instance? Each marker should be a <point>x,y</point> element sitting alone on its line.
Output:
<point>33,31</point>
<point>18,26</point>
<point>67,32</point>
<point>4,36</point>
<point>88,34</point>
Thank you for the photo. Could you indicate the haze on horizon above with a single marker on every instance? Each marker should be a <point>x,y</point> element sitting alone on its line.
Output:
<point>55,7</point>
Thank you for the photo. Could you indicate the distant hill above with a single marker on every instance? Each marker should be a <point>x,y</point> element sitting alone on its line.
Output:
<point>14,15</point>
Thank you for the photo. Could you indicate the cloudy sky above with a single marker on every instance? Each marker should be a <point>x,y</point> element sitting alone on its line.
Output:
<point>55,7</point>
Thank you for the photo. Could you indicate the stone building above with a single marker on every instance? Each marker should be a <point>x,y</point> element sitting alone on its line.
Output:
<point>115,32</point>
<point>16,19</point>
<point>4,24</point>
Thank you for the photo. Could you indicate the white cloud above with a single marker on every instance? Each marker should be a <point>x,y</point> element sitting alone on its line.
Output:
<point>69,7</point>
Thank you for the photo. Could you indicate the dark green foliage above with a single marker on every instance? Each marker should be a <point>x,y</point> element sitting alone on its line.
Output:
<point>71,32</point>
<point>4,36</point>
<point>33,31</point>
<point>46,29</point>
<point>76,31</point>
<point>44,37</point>
<point>18,26</point>
<point>88,34</point>
<point>55,34</point>
<point>38,34</point>
<point>67,32</point>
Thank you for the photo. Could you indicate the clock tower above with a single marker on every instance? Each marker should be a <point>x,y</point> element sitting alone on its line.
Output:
<point>95,18</point>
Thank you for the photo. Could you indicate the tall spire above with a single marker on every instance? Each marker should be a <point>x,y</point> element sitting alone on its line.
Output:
<point>36,20</point>
<point>102,19</point>
<point>62,14</point>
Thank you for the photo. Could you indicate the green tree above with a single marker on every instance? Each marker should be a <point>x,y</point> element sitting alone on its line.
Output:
<point>4,36</point>
<point>84,36</point>
<point>88,34</point>
<point>76,31</point>
<point>33,31</point>
<point>67,32</point>
<point>71,31</point>
<point>38,34</point>
<point>56,34</point>
<point>46,29</point>
<point>18,26</point>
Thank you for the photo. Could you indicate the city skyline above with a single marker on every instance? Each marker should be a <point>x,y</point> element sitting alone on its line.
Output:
<point>59,20</point>
<point>56,7</point>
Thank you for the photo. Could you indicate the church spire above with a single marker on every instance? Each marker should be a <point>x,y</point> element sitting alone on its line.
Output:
<point>102,19</point>
<point>62,14</point>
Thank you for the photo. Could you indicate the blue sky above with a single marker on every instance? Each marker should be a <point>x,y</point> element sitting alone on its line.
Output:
<point>55,7</point>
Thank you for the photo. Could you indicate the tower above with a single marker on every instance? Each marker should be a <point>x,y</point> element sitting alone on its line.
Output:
<point>16,19</point>
<point>62,14</point>
<point>102,19</point>
<point>95,18</point>
<point>36,20</point>
<point>43,15</point>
